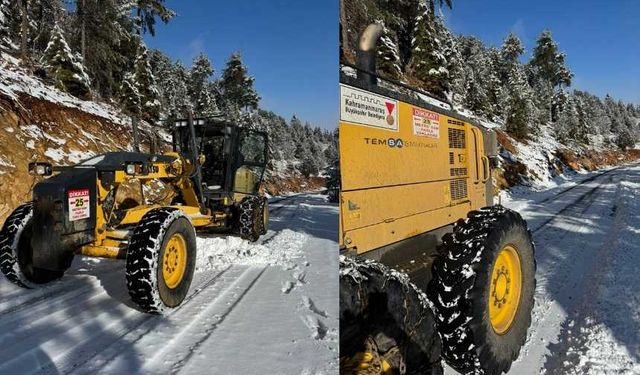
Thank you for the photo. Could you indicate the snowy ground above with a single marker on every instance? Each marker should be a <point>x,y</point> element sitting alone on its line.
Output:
<point>264,308</point>
<point>587,314</point>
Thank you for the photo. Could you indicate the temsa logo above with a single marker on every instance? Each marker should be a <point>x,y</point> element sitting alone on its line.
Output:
<point>391,142</point>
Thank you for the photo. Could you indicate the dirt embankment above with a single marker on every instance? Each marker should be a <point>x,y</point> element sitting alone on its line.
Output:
<point>33,129</point>
<point>514,172</point>
<point>293,184</point>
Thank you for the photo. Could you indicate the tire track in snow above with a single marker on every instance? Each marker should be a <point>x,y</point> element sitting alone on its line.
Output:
<point>564,251</point>
<point>69,329</point>
<point>20,300</point>
<point>559,361</point>
<point>579,184</point>
<point>127,327</point>
<point>167,336</point>
<point>211,326</point>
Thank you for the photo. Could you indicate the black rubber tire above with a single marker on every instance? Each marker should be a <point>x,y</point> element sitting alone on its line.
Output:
<point>16,251</point>
<point>460,288</point>
<point>376,300</point>
<point>146,285</point>
<point>250,223</point>
<point>264,208</point>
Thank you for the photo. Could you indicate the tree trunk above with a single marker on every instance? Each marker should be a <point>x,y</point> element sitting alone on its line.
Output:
<point>25,30</point>
<point>344,35</point>
<point>83,31</point>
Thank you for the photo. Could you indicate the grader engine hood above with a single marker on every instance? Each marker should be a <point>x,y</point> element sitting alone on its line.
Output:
<point>64,215</point>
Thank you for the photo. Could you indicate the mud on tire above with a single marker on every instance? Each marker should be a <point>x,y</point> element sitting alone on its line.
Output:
<point>460,291</point>
<point>148,243</point>
<point>252,222</point>
<point>16,252</point>
<point>380,305</point>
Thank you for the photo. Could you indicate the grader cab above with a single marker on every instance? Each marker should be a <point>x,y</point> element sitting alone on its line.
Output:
<point>144,208</point>
<point>430,267</point>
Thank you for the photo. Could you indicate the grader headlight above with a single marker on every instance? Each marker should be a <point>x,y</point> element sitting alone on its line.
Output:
<point>135,168</point>
<point>41,169</point>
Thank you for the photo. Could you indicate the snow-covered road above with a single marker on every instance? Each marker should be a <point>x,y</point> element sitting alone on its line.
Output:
<point>587,314</point>
<point>268,307</point>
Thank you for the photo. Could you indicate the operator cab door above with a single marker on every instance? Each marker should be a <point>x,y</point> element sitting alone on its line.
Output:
<point>212,142</point>
<point>250,161</point>
<point>214,169</point>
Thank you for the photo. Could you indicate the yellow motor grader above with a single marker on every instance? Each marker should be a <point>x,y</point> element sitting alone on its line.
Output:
<point>144,208</point>
<point>430,268</point>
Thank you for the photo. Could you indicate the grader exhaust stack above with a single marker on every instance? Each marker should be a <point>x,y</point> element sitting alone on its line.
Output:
<point>366,54</point>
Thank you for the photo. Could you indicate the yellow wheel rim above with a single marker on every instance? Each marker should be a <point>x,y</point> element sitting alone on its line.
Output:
<point>174,261</point>
<point>506,288</point>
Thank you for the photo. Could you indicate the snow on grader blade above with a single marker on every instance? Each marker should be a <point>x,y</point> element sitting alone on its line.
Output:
<point>144,208</point>
<point>431,268</point>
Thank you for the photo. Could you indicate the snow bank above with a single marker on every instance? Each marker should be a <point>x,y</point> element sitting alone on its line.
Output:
<point>15,80</point>
<point>280,250</point>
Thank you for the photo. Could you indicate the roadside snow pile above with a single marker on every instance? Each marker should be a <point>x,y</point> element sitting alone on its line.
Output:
<point>14,80</point>
<point>280,250</point>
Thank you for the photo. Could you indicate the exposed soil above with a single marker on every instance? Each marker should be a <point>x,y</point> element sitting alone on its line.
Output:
<point>511,173</point>
<point>293,184</point>
<point>29,127</point>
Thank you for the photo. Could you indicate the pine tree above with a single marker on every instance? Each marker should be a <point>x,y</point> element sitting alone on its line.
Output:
<point>146,86</point>
<point>28,25</point>
<point>237,86</point>
<point>511,50</point>
<point>519,108</point>
<point>204,104</point>
<point>626,138</point>
<point>429,62</point>
<point>548,64</point>
<point>64,66</point>
<point>387,57</point>
<point>101,30</point>
<point>129,95</point>
<point>146,13</point>
<point>172,85</point>
<point>480,85</point>
<point>309,165</point>
<point>299,136</point>
<point>5,12</point>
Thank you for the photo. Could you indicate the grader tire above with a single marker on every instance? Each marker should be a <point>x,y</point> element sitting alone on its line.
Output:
<point>161,260</point>
<point>482,290</point>
<point>253,216</point>
<point>16,251</point>
<point>386,325</point>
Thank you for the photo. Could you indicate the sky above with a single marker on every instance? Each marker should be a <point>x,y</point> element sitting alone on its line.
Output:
<point>289,46</point>
<point>600,37</point>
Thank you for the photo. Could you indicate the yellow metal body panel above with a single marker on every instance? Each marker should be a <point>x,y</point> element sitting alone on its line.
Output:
<point>134,215</point>
<point>112,243</point>
<point>417,171</point>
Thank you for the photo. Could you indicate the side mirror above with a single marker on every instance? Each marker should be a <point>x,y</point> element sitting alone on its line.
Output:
<point>40,169</point>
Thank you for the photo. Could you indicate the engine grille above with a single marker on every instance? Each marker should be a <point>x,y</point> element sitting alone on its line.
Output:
<point>452,158</point>
<point>456,138</point>
<point>458,189</point>
<point>455,172</point>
